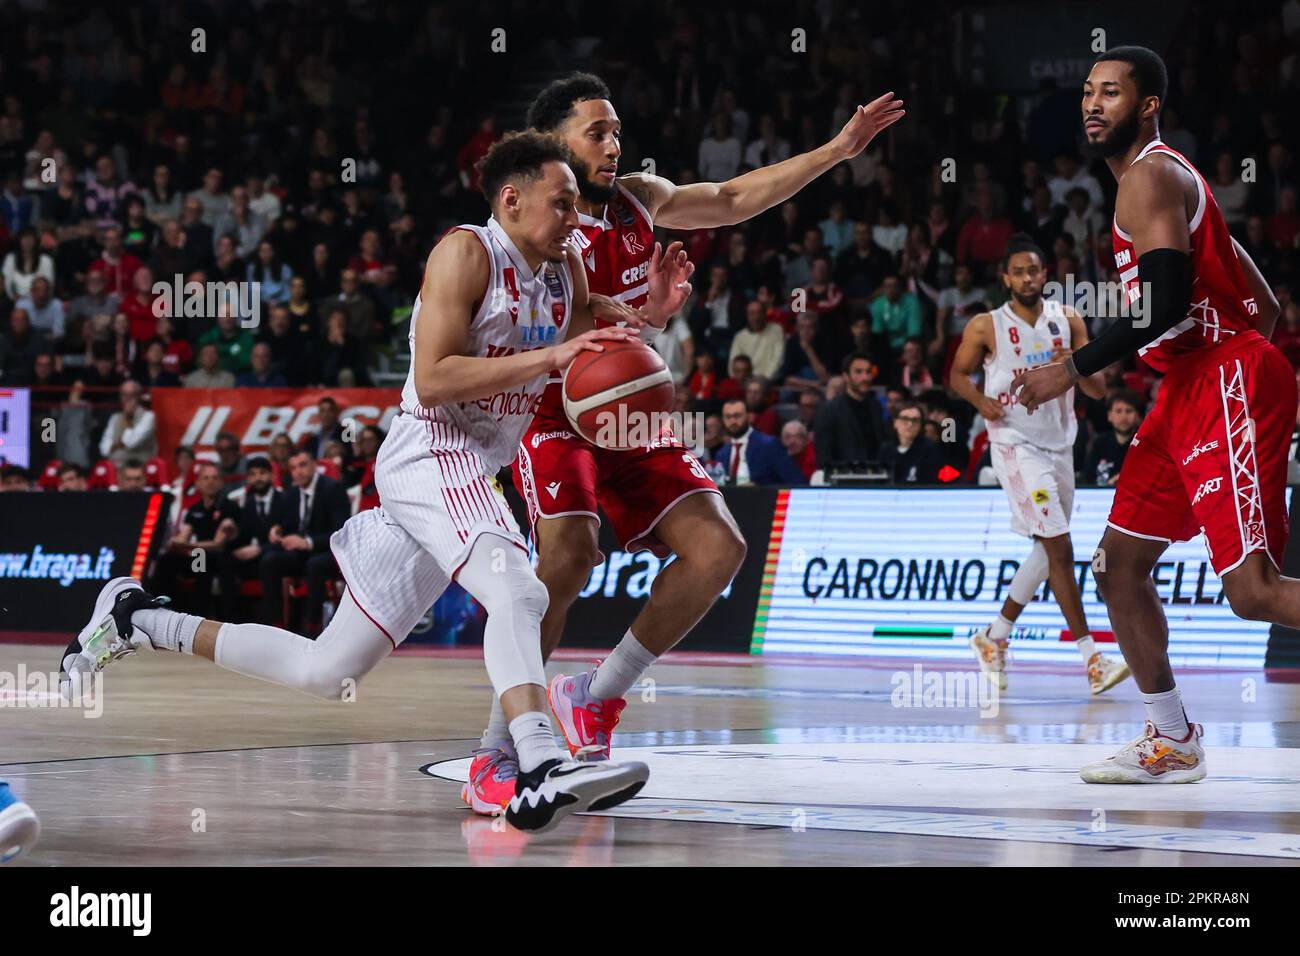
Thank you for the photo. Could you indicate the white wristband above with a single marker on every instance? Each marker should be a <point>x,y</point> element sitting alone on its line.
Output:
<point>649,333</point>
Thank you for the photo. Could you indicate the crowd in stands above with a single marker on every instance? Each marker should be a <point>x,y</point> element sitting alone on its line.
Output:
<point>291,152</point>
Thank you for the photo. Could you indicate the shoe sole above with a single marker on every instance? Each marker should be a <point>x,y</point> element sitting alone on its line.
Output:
<point>104,603</point>
<point>985,667</point>
<point>550,699</point>
<point>1137,778</point>
<point>481,807</point>
<point>20,828</point>
<point>594,796</point>
<point>1121,674</point>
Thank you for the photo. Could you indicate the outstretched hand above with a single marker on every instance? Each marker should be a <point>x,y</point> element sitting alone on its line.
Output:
<point>669,283</point>
<point>866,122</point>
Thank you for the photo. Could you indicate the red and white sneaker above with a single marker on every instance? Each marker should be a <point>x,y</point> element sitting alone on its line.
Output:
<point>492,775</point>
<point>1152,758</point>
<point>587,722</point>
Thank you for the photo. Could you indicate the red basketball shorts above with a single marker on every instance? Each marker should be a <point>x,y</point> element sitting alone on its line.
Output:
<point>560,473</point>
<point>1212,455</point>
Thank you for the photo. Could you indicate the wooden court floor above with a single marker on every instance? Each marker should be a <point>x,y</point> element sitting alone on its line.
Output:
<point>752,763</point>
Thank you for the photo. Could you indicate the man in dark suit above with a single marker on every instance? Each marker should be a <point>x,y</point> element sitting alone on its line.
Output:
<point>331,429</point>
<point>751,458</point>
<point>263,507</point>
<point>316,507</point>
<point>849,427</point>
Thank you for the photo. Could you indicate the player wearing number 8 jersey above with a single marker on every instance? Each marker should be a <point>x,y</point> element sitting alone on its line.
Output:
<point>1032,454</point>
<point>1211,457</point>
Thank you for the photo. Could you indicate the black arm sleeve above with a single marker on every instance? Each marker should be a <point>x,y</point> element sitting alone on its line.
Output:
<point>1167,273</point>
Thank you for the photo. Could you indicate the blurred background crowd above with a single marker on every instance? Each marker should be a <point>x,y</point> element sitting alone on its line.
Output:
<point>321,149</point>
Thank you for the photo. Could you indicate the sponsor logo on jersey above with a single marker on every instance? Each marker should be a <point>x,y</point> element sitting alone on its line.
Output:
<point>1123,257</point>
<point>635,274</point>
<point>553,285</point>
<point>539,437</point>
<point>538,335</point>
<point>1041,497</point>
<point>633,243</point>
<point>1200,450</point>
<point>557,313</point>
<point>1208,488</point>
<point>624,215</point>
<point>503,404</point>
<point>1055,331</point>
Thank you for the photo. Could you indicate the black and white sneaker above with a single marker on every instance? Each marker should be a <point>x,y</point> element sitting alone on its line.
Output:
<point>552,791</point>
<point>109,635</point>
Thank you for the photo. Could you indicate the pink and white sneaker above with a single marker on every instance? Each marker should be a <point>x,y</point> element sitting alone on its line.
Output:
<point>491,785</point>
<point>587,722</point>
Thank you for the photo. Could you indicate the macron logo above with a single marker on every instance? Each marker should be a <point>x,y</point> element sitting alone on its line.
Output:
<point>554,489</point>
<point>103,909</point>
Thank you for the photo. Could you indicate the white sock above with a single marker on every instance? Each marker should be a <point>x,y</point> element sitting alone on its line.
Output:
<point>534,740</point>
<point>497,733</point>
<point>167,630</point>
<point>1086,646</point>
<point>1165,710</point>
<point>623,668</point>
<point>1000,629</point>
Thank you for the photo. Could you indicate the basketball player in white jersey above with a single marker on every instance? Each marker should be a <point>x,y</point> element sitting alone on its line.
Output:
<point>502,305</point>
<point>1032,454</point>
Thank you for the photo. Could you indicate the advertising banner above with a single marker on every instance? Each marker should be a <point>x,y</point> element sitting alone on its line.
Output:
<point>58,550</point>
<point>913,572</point>
<point>195,416</point>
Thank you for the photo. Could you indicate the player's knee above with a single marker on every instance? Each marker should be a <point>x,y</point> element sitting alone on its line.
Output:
<point>716,549</point>
<point>533,598</point>
<point>327,679</point>
<point>571,553</point>
<point>1250,601</point>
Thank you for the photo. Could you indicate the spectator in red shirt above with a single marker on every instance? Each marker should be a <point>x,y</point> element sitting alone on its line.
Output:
<point>733,388</point>
<point>703,382</point>
<point>138,306</point>
<point>798,443</point>
<point>474,150</point>
<point>118,266</point>
<point>912,371</point>
<point>178,356</point>
<point>369,263</point>
<point>758,399</point>
<point>983,238</point>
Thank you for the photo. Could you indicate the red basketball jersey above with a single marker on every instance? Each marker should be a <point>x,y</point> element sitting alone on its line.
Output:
<point>616,251</point>
<point>1222,304</point>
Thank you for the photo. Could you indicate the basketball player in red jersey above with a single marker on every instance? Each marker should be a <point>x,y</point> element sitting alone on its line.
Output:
<point>658,497</point>
<point>1212,455</point>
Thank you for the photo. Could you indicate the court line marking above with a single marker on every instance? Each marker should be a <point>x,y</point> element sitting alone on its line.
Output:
<point>936,823</point>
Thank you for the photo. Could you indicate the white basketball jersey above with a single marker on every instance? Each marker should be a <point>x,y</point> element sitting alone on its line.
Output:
<point>521,310</point>
<point>1019,346</point>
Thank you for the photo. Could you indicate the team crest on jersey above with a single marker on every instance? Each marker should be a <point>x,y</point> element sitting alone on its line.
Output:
<point>633,243</point>
<point>557,314</point>
<point>1041,497</point>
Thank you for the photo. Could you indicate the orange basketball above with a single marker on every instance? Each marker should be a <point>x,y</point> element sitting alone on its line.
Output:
<point>620,397</point>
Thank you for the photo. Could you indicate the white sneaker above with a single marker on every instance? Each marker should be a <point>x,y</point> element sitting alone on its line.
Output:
<point>557,788</point>
<point>1105,672</point>
<point>992,655</point>
<point>19,826</point>
<point>109,634</point>
<point>1152,758</point>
